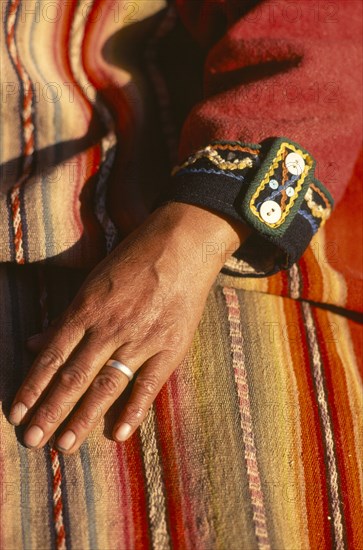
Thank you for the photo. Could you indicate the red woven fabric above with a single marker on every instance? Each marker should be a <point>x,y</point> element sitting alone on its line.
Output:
<point>281,69</point>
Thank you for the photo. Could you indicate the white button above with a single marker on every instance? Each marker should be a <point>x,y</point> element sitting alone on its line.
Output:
<point>295,164</point>
<point>273,184</point>
<point>290,191</point>
<point>270,211</point>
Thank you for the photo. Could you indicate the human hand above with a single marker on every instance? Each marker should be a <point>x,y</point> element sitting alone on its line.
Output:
<point>141,306</point>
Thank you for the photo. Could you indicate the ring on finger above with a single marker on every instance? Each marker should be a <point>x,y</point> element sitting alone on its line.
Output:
<point>121,367</point>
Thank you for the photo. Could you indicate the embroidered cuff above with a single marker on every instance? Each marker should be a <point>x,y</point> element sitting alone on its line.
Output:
<point>270,186</point>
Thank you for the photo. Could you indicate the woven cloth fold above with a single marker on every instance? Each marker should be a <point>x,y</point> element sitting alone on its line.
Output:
<point>245,446</point>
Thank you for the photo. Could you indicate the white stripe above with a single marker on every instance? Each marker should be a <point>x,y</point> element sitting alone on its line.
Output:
<point>328,433</point>
<point>155,489</point>
<point>294,282</point>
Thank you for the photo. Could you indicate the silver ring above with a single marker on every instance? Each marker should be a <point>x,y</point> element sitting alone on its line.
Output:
<point>121,367</point>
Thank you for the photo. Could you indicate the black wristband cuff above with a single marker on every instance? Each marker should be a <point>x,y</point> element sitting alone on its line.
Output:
<point>269,186</point>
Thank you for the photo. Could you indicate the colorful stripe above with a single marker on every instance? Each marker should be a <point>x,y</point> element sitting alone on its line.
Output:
<point>11,20</point>
<point>57,498</point>
<point>254,481</point>
<point>28,131</point>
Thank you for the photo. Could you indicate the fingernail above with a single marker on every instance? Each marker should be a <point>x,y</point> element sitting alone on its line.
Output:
<point>66,441</point>
<point>33,436</point>
<point>123,432</point>
<point>17,413</point>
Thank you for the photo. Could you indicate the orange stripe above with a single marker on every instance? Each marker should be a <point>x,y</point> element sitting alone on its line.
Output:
<point>312,277</point>
<point>275,284</point>
<point>356,331</point>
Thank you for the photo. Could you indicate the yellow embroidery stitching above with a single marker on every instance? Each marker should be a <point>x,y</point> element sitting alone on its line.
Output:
<point>266,179</point>
<point>211,154</point>
<point>317,210</point>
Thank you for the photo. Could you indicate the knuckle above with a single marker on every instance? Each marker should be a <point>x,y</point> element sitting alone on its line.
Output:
<point>106,384</point>
<point>134,413</point>
<point>148,384</point>
<point>32,390</point>
<point>50,414</point>
<point>74,378</point>
<point>51,359</point>
<point>87,417</point>
<point>84,422</point>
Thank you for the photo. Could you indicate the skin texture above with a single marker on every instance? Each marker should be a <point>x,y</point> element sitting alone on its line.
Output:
<point>141,305</point>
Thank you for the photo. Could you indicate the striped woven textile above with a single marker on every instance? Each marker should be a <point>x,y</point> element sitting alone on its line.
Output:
<point>77,124</point>
<point>255,442</point>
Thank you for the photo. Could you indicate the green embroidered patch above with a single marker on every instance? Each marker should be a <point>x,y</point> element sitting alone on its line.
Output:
<point>278,188</point>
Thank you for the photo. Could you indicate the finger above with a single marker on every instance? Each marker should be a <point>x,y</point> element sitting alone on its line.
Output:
<point>148,383</point>
<point>71,382</point>
<point>35,342</point>
<point>59,347</point>
<point>105,389</point>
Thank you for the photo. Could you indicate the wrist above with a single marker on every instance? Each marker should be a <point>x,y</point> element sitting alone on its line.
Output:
<point>200,235</point>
